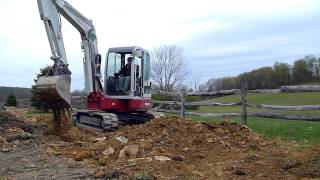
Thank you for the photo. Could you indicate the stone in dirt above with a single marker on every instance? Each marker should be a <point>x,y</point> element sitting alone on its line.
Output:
<point>146,159</point>
<point>100,173</point>
<point>5,150</point>
<point>165,132</point>
<point>108,151</point>
<point>122,139</point>
<point>99,146</point>
<point>103,160</point>
<point>210,140</point>
<point>132,150</point>
<point>219,131</point>
<point>129,151</point>
<point>100,139</point>
<point>122,154</point>
<point>2,140</point>
<point>162,158</point>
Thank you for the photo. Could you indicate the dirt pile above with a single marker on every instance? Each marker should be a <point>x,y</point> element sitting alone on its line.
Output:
<point>166,147</point>
<point>13,131</point>
<point>170,148</point>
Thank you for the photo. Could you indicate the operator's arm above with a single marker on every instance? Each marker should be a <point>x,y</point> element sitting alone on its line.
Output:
<point>121,71</point>
<point>137,71</point>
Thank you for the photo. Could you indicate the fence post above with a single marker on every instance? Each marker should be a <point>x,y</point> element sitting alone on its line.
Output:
<point>182,94</point>
<point>244,87</point>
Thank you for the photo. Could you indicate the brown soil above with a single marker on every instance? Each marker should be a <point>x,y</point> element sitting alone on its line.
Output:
<point>170,148</point>
<point>61,120</point>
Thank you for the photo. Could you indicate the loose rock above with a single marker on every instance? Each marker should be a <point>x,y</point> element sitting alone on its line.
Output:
<point>100,173</point>
<point>132,150</point>
<point>103,160</point>
<point>2,140</point>
<point>122,139</point>
<point>129,151</point>
<point>100,139</point>
<point>162,158</point>
<point>108,151</point>
<point>5,150</point>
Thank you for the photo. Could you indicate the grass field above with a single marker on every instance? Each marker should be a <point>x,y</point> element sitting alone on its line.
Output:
<point>302,131</point>
<point>285,99</point>
<point>293,99</point>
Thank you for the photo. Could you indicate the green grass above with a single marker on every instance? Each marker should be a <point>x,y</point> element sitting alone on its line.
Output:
<point>285,99</point>
<point>300,131</point>
<point>175,98</point>
<point>222,109</point>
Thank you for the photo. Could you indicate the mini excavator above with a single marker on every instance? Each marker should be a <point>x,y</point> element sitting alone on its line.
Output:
<point>125,97</point>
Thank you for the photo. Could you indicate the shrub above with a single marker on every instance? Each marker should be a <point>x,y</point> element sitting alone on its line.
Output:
<point>11,101</point>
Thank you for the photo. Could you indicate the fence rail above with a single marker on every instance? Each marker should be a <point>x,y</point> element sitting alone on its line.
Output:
<point>254,114</point>
<point>199,103</point>
<point>295,108</point>
<point>214,93</point>
<point>244,104</point>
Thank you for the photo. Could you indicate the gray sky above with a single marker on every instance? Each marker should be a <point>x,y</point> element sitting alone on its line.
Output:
<point>220,38</point>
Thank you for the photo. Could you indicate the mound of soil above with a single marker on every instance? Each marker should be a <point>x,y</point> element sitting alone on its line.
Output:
<point>169,148</point>
<point>13,129</point>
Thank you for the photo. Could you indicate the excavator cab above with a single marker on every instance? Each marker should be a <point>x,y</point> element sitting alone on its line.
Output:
<point>127,73</point>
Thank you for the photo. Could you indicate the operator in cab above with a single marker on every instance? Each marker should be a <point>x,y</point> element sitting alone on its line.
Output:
<point>124,80</point>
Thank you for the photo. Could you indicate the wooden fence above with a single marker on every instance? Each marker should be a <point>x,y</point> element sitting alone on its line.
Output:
<point>179,107</point>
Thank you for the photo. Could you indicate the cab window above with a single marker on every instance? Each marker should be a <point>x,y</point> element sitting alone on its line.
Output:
<point>146,67</point>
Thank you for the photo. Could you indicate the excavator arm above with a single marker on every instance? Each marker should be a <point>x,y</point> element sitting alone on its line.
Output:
<point>55,86</point>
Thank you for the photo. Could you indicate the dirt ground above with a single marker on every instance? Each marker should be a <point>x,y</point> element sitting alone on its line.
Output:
<point>167,148</point>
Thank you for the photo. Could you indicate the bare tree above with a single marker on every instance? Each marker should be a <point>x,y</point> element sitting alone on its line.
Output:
<point>195,81</point>
<point>168,66</point>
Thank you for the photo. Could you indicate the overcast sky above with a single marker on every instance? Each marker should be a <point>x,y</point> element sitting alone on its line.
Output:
<point>219,38</point>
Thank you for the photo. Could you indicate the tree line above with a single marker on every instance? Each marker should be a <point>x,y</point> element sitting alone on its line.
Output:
<point>304,70</point>
<point>20,93</point>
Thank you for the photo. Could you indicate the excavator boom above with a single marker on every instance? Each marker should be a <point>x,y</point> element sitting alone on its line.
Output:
<point>54,88</point>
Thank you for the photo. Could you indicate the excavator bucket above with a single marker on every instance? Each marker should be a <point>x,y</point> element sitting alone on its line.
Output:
<point>55,90</point>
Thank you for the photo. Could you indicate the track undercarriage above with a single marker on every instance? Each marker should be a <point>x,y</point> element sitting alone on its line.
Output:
<point>105,121</point>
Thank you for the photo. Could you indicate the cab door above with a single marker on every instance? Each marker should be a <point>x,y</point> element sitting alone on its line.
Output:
<point>136,79</point>
<point>146,72</point>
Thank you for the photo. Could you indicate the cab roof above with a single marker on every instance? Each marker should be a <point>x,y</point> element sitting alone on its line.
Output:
<point>127,49</point>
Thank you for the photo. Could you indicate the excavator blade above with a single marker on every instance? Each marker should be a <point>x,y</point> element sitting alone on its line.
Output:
<point>55,90</point>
